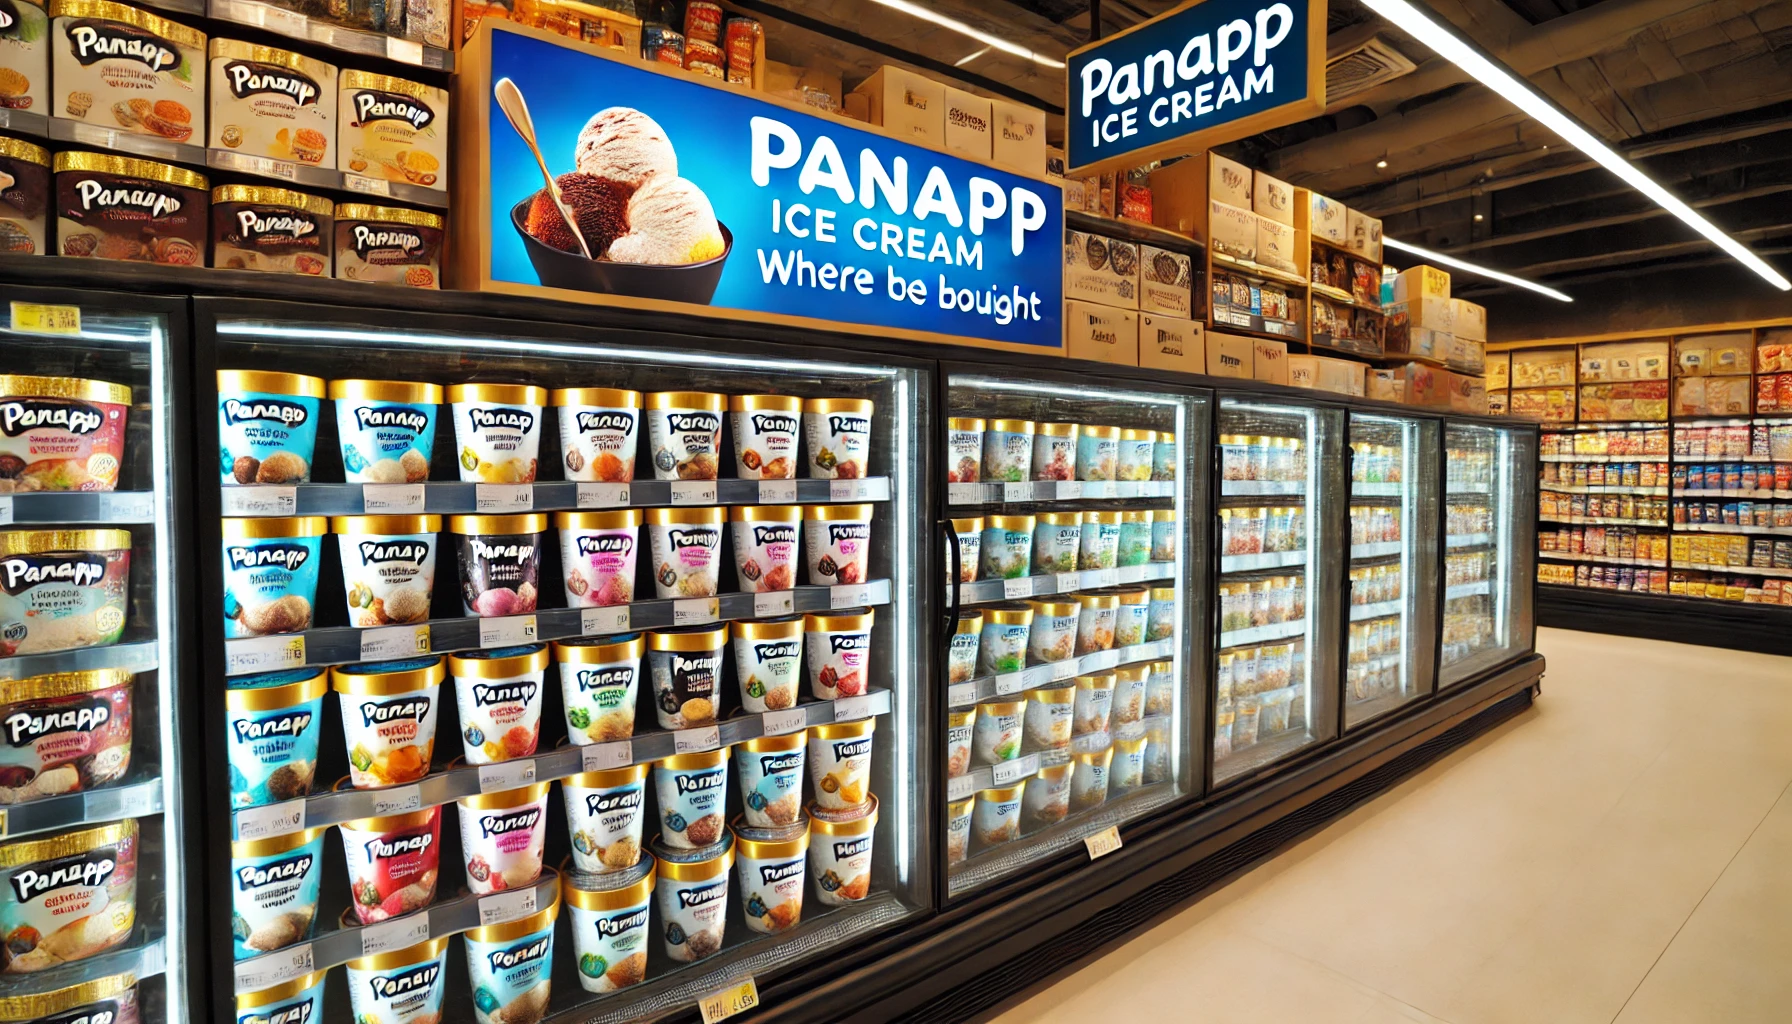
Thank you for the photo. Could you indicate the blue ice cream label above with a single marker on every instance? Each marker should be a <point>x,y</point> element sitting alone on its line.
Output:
<point>506,976</point>
<point>771,785</point>
<point>692,802</point>
<point>273,752</point>
<point>265,438</point>
<point>270,585</point>
<point>1163,460</point>
<point>273,899</point>
<point>307,1007</point>
<point>385,442</point>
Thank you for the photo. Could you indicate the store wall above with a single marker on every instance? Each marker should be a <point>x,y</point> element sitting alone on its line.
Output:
<point>1720,293</point>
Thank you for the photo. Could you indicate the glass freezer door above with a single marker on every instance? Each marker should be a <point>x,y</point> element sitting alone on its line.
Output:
<point>1489,547</point>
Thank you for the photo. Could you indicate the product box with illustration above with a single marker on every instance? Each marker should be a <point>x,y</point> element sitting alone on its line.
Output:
<point>1470,319</point>
<point>909,106</point>
<point>1269,360</point>
<point>1272,198</point>
<point>1384,385</point>
<point>1229,355</point>
<point>1101,269</point>
<point>1103,333</point>
<point>1323,218</point>
<point>968,127</point>
<point>1166,282</point>
<point>1275,246</point>
<point>1365,238</point>
<point>1232,231</point>
<point>1017,137</point>
<point>1171,343</point>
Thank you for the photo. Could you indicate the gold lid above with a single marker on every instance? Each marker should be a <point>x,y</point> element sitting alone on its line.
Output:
<point>394,822</point>
<point>1166,437</point>
<point>1162,666</point>
<point>711,639</point>
<point>972,525</point>
<point>862,406</point>
<point>525,522</point>
<point>1101,757</point>
<point>388,526</point>
<point>837,513</point>
<point>699,870</point>
<point>42,1004</point>
<point>1133,434</point>
<point>964,423</point>
<point>1136,516</point>
<point>1131,746</point>
<point>575,652</point>
<point>1132,673</point>
<point>1134,596</point>
<point>353,79</point>
<point>274,197</point>
<point>15,385</point>
<point>1054,772</point>
<point>777,744</point>
<point>1003,707</point>
<point>236,49</point>
<point>750,403</point>
<point>607,398</point>
<point>607,778</point>
<point>1057,429</point>
<point>68,844</point>
<point>772,849</point>
<point>710,516</point>
<point>631,895</point>
<point>851,622</point>
<point>263,529</point>
<point>414,392</point>
<point>768,629</point>
<point>1105,433</point>
<point>270,698</point>
<point>1163,593</point>
<point>278,993</point>
<point>270,382</point>
<point>501,394</point>
<point>861,825</point>
<point>969,622</point>
<point>1106,518</point>
<point>765,514</point>
<point>1163,515</point>
<point>19,149</point>
<point>616,519</point>
<point>106,11</point>
<point>398,215</point>
<point>37,542</point>
<point>960,808</point>
<point>1099,600</point>
<point>1060,518</point>
<point>62,684</point>
<point>1008,615</point>
<point>1053,695</point>
<point>1011,426</point>
<point>1022,523</point>
<point>844,730</point>
<point>960,719</point>
<point>1098,681</point>
<point>498,663</point>
<point>1047,606</point>
<point>687,400</point>
<point>275,844</point>
<point>532,793</point>
<point>374,680</point>
<point>1005,794</point>
<point>429,949</point>
<point>149,170</point>
<point>693,762</point>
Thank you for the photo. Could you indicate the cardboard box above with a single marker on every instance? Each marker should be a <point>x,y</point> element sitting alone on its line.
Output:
<point>857,106</point>
<point>1017,139</point>
<point>1272,198</point>
<point>910,107</point>
<point>968,128</point>
<point>1426,386</point>
<point>1230,355</point>
<point>1466,355</point>
<point>1327,218</point>
<point>1275,245</point>
<point>1102,333</point>
<point>1468,394</point>
<point>1365,235</point>
<point>1074,195</point>
<point>1425,312</point>
<point>1090,269</point>
<point>1166,282</point>
<point>1171,343</point>
<point>1471,320</point>
<point>1323,373</point>
<point>1422,281</point>
<point>1228,181</point>
<point>1384,385</point>
<point>1232,231</point>
<point>1269,360</point>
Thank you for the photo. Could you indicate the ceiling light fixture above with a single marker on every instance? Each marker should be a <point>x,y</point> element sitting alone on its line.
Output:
<point>1421,25</point>
<point>1451,261</point>
<point>917,11</point>
<point>962,61</point>
<point>1477,218</point>
<point>1380,164</point>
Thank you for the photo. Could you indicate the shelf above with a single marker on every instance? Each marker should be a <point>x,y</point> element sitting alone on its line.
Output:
<point>986,776</point>
<point>1258,270</point>
<point>1653,492</point>
<point>132,657</point>
<point>24,122</point>
<point>1254,635</point>
<point>982,688</point>
<point>117,140</point>
<point>1727,458</point>
<point>1467,540</point>
<point>992,863</point>
<point>110,803</point>
<point>1378,610</point>
<point>985,591</point>
<point>1734,492</point>
<point>195,7</point>
<point>1742,570</point>
<point>1133,231</point>
<point>1468,491</point>
<point>144,955</point>
<point>1569,556</point>
<point>452,496</point>
<point>1266,560</point>
<point>1602,521</point>
<point>1254,325</point>
<point>59,507</point>
<point>1240,488</point>
<point>1663,457</point>
<point>1769,531</point>
<point>307,176</point>
<point>1056,490</point>
<point>1379,549</point>
<point>1720,421</point>
<point>344,644</point>
<point>1474,588</point>
<point>332,808</point>
<point>1351,348</point>
<point>1377,489</point>
<point>294,25</point>
<point>1334,294</point>
<point>1259,754</point>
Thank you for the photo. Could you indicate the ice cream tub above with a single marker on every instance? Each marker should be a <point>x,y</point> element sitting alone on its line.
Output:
<point>959,725</point>
<point>25,200</point>
<point>393,863</point>
<point>684,431</point>
<point>770,770</point>
<point>1131,617</point>
<point>1133,460</point>
<point>273,891</point>
<point>837,649</point>
<point>766,429</point>
<point>1007,547</point>
<point>388,567</point>
<point>272,103</point>
<point>1047,800</point>
<point>996,818</point>
<point>693,798</point>
<point>298,1001</point>
<point>1094,703</point>
<point>267,426</point>
<point>1129,693</point>
<point>1056,539</point>
<point>271,230</point>
<point>510,967</point>
<point>961,654</point>
<point>274,721</point>
<point>765,545</point>
<point>502,836</point>
<point>838,434</point>
<point>392,129</point>
<point>1127,768</point>
<point>1133,547</point>
<point>1089,782</point>
<point>64,733</point>
<point>1054,451</point>
<point>497,429</point>
<point>771,873</point>
<point>1157,753</point>
<point>686,669</point>
<point>1163,456</point>
<point>604,811</point>
<point>964,449</point>
<point>387,429</point>
<point>270,574</point>
<point>1097,453</point>
<point>499,694</point>
<point>692,894</point>
<point>598,432</point>
<point>768,659</point>
<point>70,896</point>
<point>125,70</point>
<point>60,433</point>
<point>1006,636</point>
<point>840,763</point>
<point>598,551</point>
<point>1008,451</point>
<point>1163,535</point>
<point>611,924</point>
<point>118,208</point>
<point>686,546</point>
<point>837,540</point>
<point>840,854</point>
<point>500,562</point>
<point>404,986</point>
<point>1048,717</point>
<point>599,677</point>
<point>388,245</point>
<point>25,54</point>
<point>958,829</point>
<point>1160,614</point>
<point>997,735</point>
<point>969,534</point>
<point>1095,624</point>
<point>1100,544</point>
<point>389,718</point>
<point>1052,636</point>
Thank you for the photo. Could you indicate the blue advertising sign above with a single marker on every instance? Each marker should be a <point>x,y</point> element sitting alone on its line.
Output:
<point>1217,69</point>
<point>688,192</point>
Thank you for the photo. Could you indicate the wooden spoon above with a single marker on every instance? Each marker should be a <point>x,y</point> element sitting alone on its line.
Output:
<point>510,99</point>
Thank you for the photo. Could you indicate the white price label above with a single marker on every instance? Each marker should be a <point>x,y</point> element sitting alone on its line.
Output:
<point>288,23</point>
<point>1095,579</point>
<point>1130,573</point>
<point>5,510</point>
<point>960,787</point>
<point>503,497</point>
<point>696,741</point>
<point>597,757</point>
<point>1098,488</point>
<point>274,968</point>
<point>125,507</point>
<point>1062,670</point>
<point>1017,492</point>
<point>1070,582</point>
<point>1101,660</point>
<point>603,495</point>
<point>777,492</point>
<point>962,695</point>
<point>260,500</point>
<point>506,906</point>
<point>263,654</point>
<point>385,643</point>
<point>408,51</point>
<point>365,185</point>
<point>1010,682</point>
<point>397,800</point>
<point>1009,772</point>
<point>857,595</point>
<point>603,621</point>
<point>1104,842</point>
<point>738,997</point>
<point>696,611</point>
<point>1070,490</point>
<point>506,775</point>
<point>693,492</point>
<point>1126,488</point>
<point>1019,587</point>
<point>773,602</point>
<point>392,499</point>
<point>777,723</point>
<point>270,820</point>
<point>852,709</point>
<point>400,934</point>
<point>962,494</point>
<point>848,490</point>
<point>507,631</point>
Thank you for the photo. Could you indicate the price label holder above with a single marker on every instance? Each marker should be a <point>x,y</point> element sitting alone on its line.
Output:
<point>507,631</point>
<point>39,318</point>
<point>960,787</point>
<point>738,997</point>
<point>597,757</point>
<point>1103,843</point>
<point>1062,670</point>
<point>400,934</point>
<point>261,500</point>
<point>392,499</point>
<point>777,492</point>
<point>506,775</point>
<point>1095,579</point>
<point>365,185</point>
<point>1017,492</point>
<point>604,621</point>
<point>263,654</point>
<point>961,494</point>
<point>503,497</point>
<point>397,800</point>
<point>773,602</point>
<point>127,506</point>
<point>603,495</point>
<point>274,968</point>
<point>696,611</point>
<point>5,510</point>
<point>1017,588</point>
<point>407,51</point>
<point>1009,772</point>
<point>696,741</point>
<point>287,23</point>
<point>693,492</point>
<point>851,709</point>
<point>849,490</point>
<point>270,820</point>
<point>962,695</point>
<point>1131,573</point>
<point>1010,682</point>
<point>1070,582</point>
<point>1069,490</point>
<point>506,906</point>
<point>385,643</point>
<point>777,723</point>
<point>854,595</point>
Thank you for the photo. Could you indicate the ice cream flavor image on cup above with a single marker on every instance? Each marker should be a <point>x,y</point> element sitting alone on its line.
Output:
<point>1095,625</point>
<point>1128,766</point>
<point>964,449</point>
<point>693,798</point>
<point>270,574</point>
<point>958,829</point>
<point>684,431</point>
<point>768,659</point>
<point>500,562</point>
<point>404,986</point>
<point>997,735</point>
<point>996,818</point>
<point>969,533</point>
<point>63,589</point>
<point>766,545</point>
<point>1132,617</point>
<point>770,770</point>
<point>686,547</point>
<point>840,763</point>
<point>1007,629</point>
<point>58,433</point>
<point>499,693</point>
<point>1129,693</point>
<point>1048,717</point>
<point>267,426</point>
<point>389,718</point>
<point>1097,453</point>
<point>1163,535</point>
<point>497,431</point>
<point>502,836</point>
<point>1056,538</point>
<point>388,566</point>
<point>274,721</point>
<point>961,654</point>
<point>66,896</point>
<point>387,429</point>
<point>604,811</point>
<point>766,429</point>
<point>1134,545</point>
<point>1008,451</point>
<point>771,873</point>
<point>1160,688</point>
<point>1160,614</point>
<point>599,678</point>
<point>686,669</point>
<point>1137,449</point>
<point>1094,703</point>
<point>273,890</point>
<point>1100,546</point>
<point>597,553</point>
<point>838,541</point>
<point>1054,451</point>
<point>958,741</point>
<point>692,893</point>
<point>301,999</point>
<point>393,863</point>
<point>1052,636</point>
<point>510,967</point>
<point>598,432</point>
<point>1163,456</point>
<point>838,651</point>
<point>611,925</point>
<point>1089,783</point>
<point>838,432</point>
<point>1007,547</point>
<point>66,732</point>
<point>1047,800</point>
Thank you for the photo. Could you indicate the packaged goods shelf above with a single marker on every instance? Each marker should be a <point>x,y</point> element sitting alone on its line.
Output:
<point>448,497</point>
<point>984,591</point>
<point>1653,492</point>
<point>295,25</point>
<point>1377,610</point>
<point>1571,556</point>
<point>1466,490</point>
<point>137,799</point>
<point>1660,457</point>
<point>991,687</point>
<point>140,656</point>
<point>1739,570</point>
<point>1758,493</point>
<point>89,507</point>
<point>1377,489</point>
<point>1598,521</point>
<point>144,955</point>
<point>1771,531</point>
<point>1237,488</point>
<point>1266,560</point>
<point>1264,634</point>
<point>1473,588</point>
<point>1056,490</point>
<point>1467,540</point>
<point>1379,549</point>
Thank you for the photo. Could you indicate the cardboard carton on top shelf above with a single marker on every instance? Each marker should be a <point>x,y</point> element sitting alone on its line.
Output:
<point>1499,371</point>
<point>1467,394</point>
<point>1269,360</point>
<point>1422,281</point>
<point>1228,181</point>
<point>1166,282</point>
<point>968,127</point>
<point>1323,373</point>
<point>1017,138</point>
<point>1272,198</point>
<point>1230,355</point>
<point>1426,386</point>
<point>1466,355</point>
<point>1101,269</point>
<point>1542,367</point>
<point>1365,235</point>
<point>1074,195</point>
<point>798,83</point>
<point>1427,311</point>
<point>1470,319</point>
<point>857,106</point>
<point>1102,333</point>
<point>911,107</point>
<point>1384,385</point>
<point>1715,354</point>
<point>1232,231</point>
<point>1171,343</point>
<point>1321,217</point>
<point>1275,245</point>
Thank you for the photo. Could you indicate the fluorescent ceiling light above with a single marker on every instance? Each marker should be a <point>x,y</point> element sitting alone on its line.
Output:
<point>1421,25</point>
<point>1451,261</point>
<point>916,10</point>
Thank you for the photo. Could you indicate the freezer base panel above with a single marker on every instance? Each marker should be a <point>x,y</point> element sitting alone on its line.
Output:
<point>1688,620</point>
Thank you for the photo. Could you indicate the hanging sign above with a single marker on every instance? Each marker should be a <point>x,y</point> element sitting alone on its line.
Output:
<point>1205,73</point>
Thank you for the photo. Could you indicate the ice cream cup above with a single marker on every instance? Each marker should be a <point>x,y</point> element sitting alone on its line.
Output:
<point>273,892</point>
<point>499,692</point>
<point>1163,535</point>
<point>599,677</point>
<point>510,967</point>
<point>270,574</point>
<point>1137,448</point>
<point>267,426</point>
<point>1127,769</point>
<point>1054,451</point>
<point>964,449</point>
<point>837,540</point>
<point>1006,632</point>
<point>765,545</point>
<point>1134,544</point>
<point>387,429</point>
<point>1094,703</point>
<point>1160,688</point>
<point>1163,456</point>
<point>1157,752</point>
<point>389,718</point>
<point>604,811</point>
<point>1095,625</point>
<point>1129,693</point>
<point>275,719</point>
<point>70,588</point>
<point>840,763</point>
<point>686,546</point>
<point>597,553</point>
<point>996,818</point>
<point>1008,451</point>
<point>684,430</point>
<point>1052,636</point>
<point>766,428</point>
<point>1048,718</point>
<point>1131,618</point>
<point>301,999</point>
<point>404,986</point>
<point>598,431</point>
<point>393,863</point>
<point>611,922</point>
<point>1047,799</point>
<point>502,836</point>
<point>837,649</point>
<point>840,853</point>
<point>771,868</point>
<point>693,795</point>
<point>497,431</point>
<point>1100,545</point>
<point>961,654</point>
<point>770,770</point>
<point>388,567</point>
<point>1056,538</point>
<point>1097,453</point>
<point>68,732</point>
<point>692,893</point>
<point>969,533</point>
<point>1007,547</point>
<point>959,725</point>
<point>997,735</point>
<point>1160,614</point>
<point>500,562</point>
<point>61,433</point>
<point>768,659</point>
<point>958,829</point>
<point>1089,783</point>
<point>686,669</point>
<point>838,432</point>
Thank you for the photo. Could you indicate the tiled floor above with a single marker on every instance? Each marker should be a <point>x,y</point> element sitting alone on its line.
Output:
<point>1620,852</point>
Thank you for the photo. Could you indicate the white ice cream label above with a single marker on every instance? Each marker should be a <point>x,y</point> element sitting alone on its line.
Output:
<point>599,443</point>
<point>769,672</point>
<point>693,916</point>
<point>385,442</point>
<point>510,979</point>
<point>839,444</point>
<point>498,444</point>
<point>685,559</point>
<point>842,866</point>
<point>841,768</point>
<point>411,994</point>
<point>500,718</point>
<point>838,550</point>
<point>599,700</point>
<point>771,785</point>
<point>684,443</point>
<point>692,804</point>
<point>388,578</point>
<point>503,845</point>
<point>765,554</point>
<point>771,890</point>
<point>605,825</point>
<point>611,946</point>
<point>765,444</point>
<point>837,662</point>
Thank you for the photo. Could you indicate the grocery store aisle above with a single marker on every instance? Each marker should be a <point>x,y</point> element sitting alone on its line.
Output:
<point>1616,853</point>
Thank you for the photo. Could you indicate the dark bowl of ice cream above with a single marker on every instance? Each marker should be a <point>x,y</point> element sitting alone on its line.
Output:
<point>682,282</point>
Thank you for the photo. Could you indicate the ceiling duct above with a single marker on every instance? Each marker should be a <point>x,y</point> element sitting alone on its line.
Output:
<point>1363,67</point>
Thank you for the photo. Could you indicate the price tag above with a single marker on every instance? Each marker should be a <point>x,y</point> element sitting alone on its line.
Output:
<point>5,510</point>
<point>127,506</point>
<point>856,595</point>
<point>1070,582</point>
<point>696,741</point>
<point>262,165</point>
<point>961,494</point>
<point>392,499</point>
<point>773,602</point>
<point>1102,660</point>
<point>1130,573</point>
<point>960,787</point>
<point>274,968</point>
<point>693,492</point>
<point>777,723</point>
<point>695,611</point>
<point>736,998</point>
<point>289,23</point>
<point>962,695</point>
<point>269,821</point>
<point>1098,489</point>
<point>603,495</point>
<point>1010,682</point>
<point>1069,490</point>
<point>263,654</point>
<point>603,621</point>
<point>1009,772</point>
<point>1018,587</point>
<point>1095,579</point>
<point>1065,669</point>
<point>506,906</point>
<point>38,318</point>
<point>261,500</point>
<point>506,775</point>
<point>596,757</point>
<point>400,934</point>
<point>1017,492</point>
<point>385,643</point>
<point>397,800</point>
<point>503,497</point>
<point>1104,842</point>
<point>777,492</point>
<point>366,186</point>
<point>852,709</point>
<point>408,51</point>
<point>507,631</point>
<point>848,490</point>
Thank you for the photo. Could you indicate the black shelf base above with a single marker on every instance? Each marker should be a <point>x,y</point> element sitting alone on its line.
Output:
<point>1760,628</point>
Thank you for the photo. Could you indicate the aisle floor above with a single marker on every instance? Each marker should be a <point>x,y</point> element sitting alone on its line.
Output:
<point>1619,852</point>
